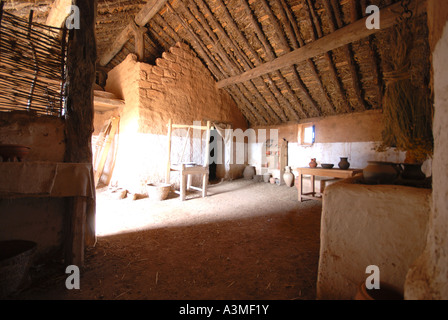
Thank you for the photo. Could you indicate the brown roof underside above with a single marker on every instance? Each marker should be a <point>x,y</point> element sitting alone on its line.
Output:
<point>234,36</point>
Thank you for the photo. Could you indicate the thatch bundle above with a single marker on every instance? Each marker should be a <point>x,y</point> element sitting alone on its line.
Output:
<point>407,107</point>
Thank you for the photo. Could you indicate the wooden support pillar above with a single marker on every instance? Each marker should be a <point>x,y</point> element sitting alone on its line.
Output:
<point>168,160</point>
<point>139,37</point>
<point>81,58</point>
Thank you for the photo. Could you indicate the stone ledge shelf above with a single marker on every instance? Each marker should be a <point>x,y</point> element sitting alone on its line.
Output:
<point>54,179</point>
<point>362,225</point>
<point>46,179</point>
<point>106,101</point>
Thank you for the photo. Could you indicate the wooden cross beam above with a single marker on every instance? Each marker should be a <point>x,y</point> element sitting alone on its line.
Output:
<point>343,36</point>
<point>141,19</point>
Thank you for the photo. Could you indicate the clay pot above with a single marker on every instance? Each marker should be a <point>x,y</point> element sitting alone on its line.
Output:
<point>266,177</point>
<point>313,163</point>
<point>288,176</point>
<point>10,152</point>
<point>158,191</point>
<point>16,257</point>
<point>344,164</point>
<point>379,172</point>
<point>385,292</point>
<point>249,172</point>
<point>412,171</point>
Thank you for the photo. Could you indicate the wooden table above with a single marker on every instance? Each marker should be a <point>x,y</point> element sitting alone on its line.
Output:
<point>321,172</point>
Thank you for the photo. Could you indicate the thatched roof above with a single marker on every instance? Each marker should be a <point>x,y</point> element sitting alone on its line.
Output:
<point>233,37</point>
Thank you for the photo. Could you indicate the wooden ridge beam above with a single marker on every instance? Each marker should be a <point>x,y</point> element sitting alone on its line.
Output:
<point>141,19</point>
<point>351,33</point>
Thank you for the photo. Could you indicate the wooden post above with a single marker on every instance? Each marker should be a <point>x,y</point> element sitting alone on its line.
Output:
<point>105,150</point>
<point>139,40</point>
<point>206,161</point>
<point>168,161</point>
<point>183,178</point>
<point>81,58</point>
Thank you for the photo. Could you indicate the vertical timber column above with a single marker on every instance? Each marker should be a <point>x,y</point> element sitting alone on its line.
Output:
<point>139,38</point>
<point>81,58</point>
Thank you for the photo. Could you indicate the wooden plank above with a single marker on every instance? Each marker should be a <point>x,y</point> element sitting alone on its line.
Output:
<point>141,19</point>
<point>168,165</point>
<point>58,13</point>
<point>105,150</point>
<point>186,126</point>
<point>351,33</point>
<point>113,103</point>
<point>148,11</point>
<point>104,94</point>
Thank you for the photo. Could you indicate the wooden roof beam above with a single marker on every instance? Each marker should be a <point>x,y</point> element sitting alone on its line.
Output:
<point>141,19</point>
<point>317,29</point>
<point>58,13</point>
<point>356,83</point>
<point>351,33</point>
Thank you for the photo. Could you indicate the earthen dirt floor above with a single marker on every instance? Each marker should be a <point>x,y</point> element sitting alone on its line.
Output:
<point>247,240</point>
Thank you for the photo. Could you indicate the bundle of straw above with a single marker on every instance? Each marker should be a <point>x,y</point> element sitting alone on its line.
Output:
<point>407,109</point>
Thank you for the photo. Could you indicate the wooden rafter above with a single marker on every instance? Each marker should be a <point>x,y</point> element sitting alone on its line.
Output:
<point>262,103</point>
<point>348,34</point>
<point>372,54</point>
<point>316,28</point>
<point>278,113</point>
<point>297,42</point>
<point>356,83</point>
<point>141,19</point>
<point>270,54</point>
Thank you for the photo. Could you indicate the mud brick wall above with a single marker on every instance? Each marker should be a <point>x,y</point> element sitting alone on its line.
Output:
<point>177,87</point>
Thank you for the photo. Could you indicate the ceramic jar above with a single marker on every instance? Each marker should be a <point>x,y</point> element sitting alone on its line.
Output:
<point>344,164</point>
<point>412,171</point>
<point>313,163</point>
<point>288,176</point>
<point>249,172</point>
<point>266,177</point>
<point>379,172</point>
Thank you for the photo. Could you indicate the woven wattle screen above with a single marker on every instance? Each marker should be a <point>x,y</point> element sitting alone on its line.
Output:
<point>32,66</point>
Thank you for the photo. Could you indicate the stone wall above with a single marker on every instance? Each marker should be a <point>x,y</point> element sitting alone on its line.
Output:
<point>177,87</point>
<point>354,135</point>
<point>43,134</point>
<point>35,219</point>
<point>363,225</point>
<point>427,279</point>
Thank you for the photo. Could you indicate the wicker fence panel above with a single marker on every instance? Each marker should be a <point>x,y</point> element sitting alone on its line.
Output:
<point>32,66</point>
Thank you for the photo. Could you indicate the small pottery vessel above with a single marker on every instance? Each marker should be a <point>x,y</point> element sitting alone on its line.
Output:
<point>313,163</point>
<point>379,172</point>
<point>266,177</point>
<point>12,152</point>
<point>344,164</point>
<point>288,176</point>
<point>385,292</point>
<point>249,172</point>
<point>412,171</point>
